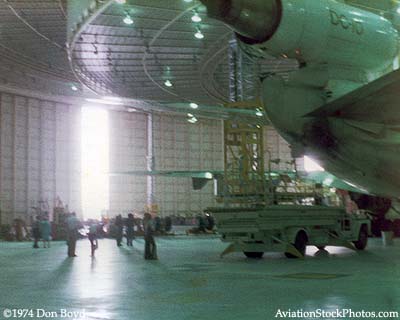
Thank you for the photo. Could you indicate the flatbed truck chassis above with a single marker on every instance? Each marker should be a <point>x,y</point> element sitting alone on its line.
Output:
<point>290,229</point>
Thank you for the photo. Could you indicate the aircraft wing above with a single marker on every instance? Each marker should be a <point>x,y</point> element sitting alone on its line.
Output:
<point>199,178</point>
<point>376,102</point>
<point>330,181</point>
<point>204,174</point>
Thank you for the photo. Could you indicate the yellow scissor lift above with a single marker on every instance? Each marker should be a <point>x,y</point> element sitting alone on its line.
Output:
<point>244,178</point>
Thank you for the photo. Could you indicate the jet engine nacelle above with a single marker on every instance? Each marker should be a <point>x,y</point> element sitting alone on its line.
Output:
<point>315,32</point>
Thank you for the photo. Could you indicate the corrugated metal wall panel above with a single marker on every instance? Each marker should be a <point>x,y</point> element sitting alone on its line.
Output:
<point>128,152</point>
<point>180,145</point>
<point>36,145</point>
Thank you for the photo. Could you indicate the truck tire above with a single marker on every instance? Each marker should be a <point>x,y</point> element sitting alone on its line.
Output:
<point>300,244</point>
<point>362,241</point>
<point>253,255</point>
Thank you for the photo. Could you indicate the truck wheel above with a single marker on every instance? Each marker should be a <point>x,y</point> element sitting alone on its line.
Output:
<point>321,247</point>
<point>300,244</point>
<point>362,241</point>
<point>253,255</point>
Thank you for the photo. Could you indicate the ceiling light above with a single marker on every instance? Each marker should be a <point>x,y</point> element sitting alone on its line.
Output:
<point>74,88</point>
<point>132,110</point>
<point>398,10</point>
<point>196,18</point>
<point>128,20</point>
<point>259,113</point>
<point>199,34</point>
<point>188,0</point>
<point>190,115</point>
<point>168,83</point>
<point>120,1</point>
<point>194,105</point>
<point>192,120</point>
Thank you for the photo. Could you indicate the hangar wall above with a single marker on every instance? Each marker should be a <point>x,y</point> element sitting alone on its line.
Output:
<point>128,152</point>
<point>277,148</point>
<point>39,155</point>
<point>177,145</point>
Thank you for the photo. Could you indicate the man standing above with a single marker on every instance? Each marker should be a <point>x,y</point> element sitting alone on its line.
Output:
<point>150,249</point>
<point>36,232</point>
<point>119,228</point>
<point>130,225</point>
<point>72,228</point>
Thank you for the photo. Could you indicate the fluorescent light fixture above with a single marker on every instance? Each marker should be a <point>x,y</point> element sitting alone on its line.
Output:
<point>132,110</point>
<point>199,34</point>
<point>398,10</point>
<point>259,113</point>
<point>168,83</point>
<point>190,115</point>
<point>104,101</point>
<point>120,1</point>
<point>74,88</point>
<point>194,105</point>
<point>128,20</point>
<point>188,1</point>
<point>196,18</point>
<point>193,120</point>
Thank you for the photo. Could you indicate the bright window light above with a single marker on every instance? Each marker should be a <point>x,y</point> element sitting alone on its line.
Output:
<point>95,162</point>
<point>310,165</point>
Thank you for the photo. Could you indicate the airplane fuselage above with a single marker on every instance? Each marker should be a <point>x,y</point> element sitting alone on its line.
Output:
<point>340,48</point>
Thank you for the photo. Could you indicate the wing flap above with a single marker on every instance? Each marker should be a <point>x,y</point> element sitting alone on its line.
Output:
<point>378,101</point>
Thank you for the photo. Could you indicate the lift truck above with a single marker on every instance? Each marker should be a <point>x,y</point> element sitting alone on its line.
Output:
<point>290,228</point>
<point>259,215</point>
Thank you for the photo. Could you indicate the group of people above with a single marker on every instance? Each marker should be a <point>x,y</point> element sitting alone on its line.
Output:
<point>41,229</point>
<point>149,228</point>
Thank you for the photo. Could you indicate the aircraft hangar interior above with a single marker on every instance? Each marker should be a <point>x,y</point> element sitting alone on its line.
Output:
<point>199,159</point>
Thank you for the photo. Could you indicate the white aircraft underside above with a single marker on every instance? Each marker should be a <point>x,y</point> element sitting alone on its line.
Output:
<point>341,106</point>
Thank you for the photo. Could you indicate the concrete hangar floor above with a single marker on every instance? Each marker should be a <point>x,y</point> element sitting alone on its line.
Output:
<point>190,281</point>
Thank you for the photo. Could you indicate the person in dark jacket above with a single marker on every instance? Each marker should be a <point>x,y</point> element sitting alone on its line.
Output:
<point>73,226</point>
<point>92,236</point>
<point>130,225</point>
<point>36,232</point>
<point>150,248</point>
<point>119,229</point>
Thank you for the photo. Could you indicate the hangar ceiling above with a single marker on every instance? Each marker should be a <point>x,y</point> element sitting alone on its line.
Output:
<point>135,60</point>
<point>112,57</point>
